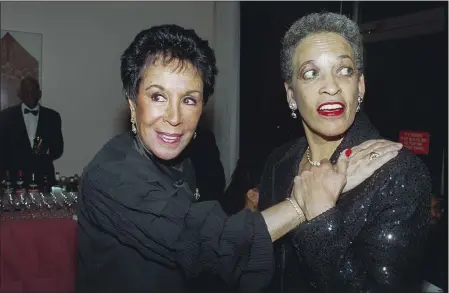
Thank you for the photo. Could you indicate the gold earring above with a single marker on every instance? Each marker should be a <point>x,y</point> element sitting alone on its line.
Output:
<point>133,125</point>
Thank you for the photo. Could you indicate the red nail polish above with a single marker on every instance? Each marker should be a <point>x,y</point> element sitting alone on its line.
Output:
<point>348,152</point>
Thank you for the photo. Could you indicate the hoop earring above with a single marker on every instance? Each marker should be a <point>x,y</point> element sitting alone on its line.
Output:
<point>292,107</point>
<point>359,102</point>
<point>133,126</point>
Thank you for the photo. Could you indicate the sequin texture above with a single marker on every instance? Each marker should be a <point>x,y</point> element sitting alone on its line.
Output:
<point>371,241</point>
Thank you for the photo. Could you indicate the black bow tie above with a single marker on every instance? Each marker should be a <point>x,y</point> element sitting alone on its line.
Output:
<point>34,112</point>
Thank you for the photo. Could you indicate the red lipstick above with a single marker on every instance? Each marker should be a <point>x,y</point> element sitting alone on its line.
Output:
<point>331,109</point>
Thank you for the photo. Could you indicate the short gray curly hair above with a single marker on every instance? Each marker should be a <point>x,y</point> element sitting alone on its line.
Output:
<point>317,23</point>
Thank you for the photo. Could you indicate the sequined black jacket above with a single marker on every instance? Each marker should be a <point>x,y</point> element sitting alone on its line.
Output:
<point>371,241</point>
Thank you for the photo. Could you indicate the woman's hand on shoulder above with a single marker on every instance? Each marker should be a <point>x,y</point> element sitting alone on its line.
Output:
<point>317,189</point>
<point>366,158</point>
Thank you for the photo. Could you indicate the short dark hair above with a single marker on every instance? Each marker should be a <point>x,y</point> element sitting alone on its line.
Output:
<point>318,23</point>
<point>31,81</point>
<point>169,42</point>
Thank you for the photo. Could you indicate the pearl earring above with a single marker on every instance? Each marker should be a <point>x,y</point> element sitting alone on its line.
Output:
<point>359,102</point>
<point>133,126</point>
<point>292,107</point>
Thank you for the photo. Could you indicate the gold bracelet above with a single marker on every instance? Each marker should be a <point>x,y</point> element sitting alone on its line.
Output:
<point>301,216</point>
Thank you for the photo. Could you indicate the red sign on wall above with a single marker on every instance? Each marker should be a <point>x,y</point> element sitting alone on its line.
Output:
<point>416,141</point>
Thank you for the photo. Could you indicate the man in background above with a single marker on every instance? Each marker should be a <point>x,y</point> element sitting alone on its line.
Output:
<point>30,136</point>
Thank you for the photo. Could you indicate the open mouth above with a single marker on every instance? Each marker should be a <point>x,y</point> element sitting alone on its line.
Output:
<point>331,109</point>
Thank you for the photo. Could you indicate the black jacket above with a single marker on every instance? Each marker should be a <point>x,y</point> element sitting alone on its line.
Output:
<point>371,241</point>
<point>15,150</point>
<point>141,231</point>
<point>209,172</point>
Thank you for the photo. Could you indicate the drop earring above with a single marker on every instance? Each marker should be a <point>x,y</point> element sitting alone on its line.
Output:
<point>292,107</point>
<point>133,126</point>
<point>359,102</point>
<point>194,135</point>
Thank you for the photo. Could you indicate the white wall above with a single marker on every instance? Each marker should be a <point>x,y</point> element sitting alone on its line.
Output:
<point>82,43</point>
<point>225,105</point>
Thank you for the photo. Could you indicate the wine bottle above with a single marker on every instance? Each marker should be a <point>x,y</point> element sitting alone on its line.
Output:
<point>20,183</point>
<point>45,185</point>
<point>20,191</point>
<point>7,188</point>
<point>33,187</point>
<point>6,184</point>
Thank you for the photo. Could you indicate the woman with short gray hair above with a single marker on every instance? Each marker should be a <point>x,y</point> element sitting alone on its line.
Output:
<point>368,239</point>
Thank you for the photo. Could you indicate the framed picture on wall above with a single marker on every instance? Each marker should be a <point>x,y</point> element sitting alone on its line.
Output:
<point>21,56</point>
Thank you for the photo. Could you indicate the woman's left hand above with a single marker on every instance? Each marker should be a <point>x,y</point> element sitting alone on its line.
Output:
<point>366,158</point>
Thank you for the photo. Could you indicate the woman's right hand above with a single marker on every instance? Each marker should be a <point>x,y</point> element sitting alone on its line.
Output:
<point>317,189</point>
<point>361,166</point>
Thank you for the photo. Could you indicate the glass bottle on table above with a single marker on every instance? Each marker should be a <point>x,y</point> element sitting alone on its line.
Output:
<point>20,182</point>
<point>57,178</point>
<point>8,191</point>
<point>4,192</point>
<point>56,190</point>
<point>74,184</point>
<point>20,191</point>
<point>77,182</point>
<point>71,182</point>
<point>33,185</point>
<point>45,188</point>
<point>64,190</point>
<point>63,183</point>
<point>6,183</point>
<point>33,190</point>
<point>57,186</point>
<point>45,191</point>
<point>72,190</point>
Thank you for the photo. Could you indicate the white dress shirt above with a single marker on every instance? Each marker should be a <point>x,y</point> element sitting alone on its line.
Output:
<point>30,122</point>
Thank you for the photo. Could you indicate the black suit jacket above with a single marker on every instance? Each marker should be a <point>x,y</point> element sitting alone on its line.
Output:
<point>15,150</point>
<point>371,241</point>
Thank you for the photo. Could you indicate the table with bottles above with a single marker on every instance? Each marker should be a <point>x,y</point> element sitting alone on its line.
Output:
<point>38,236</point>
